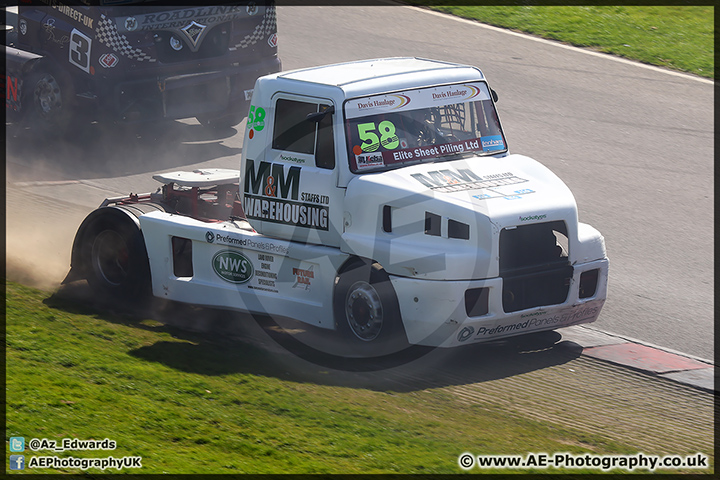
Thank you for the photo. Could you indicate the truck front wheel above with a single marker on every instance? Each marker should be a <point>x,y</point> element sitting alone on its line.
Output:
<point>117,260</point>
<point>367,311</point>
<point>51,102</point>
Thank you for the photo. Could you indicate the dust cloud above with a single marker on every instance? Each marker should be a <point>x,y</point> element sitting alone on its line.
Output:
<point>52,184</point>
<point>38,249</point>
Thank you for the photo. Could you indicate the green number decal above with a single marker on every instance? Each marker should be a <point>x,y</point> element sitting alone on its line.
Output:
<point>259,118</point>
<point>256,118</point>
<point>388,139</point>
<point>371,142</point>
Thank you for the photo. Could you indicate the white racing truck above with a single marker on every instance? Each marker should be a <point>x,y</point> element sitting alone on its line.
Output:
<point>374,197</point>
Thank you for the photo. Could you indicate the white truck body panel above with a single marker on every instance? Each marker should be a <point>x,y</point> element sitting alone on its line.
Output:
<point>283,278</point>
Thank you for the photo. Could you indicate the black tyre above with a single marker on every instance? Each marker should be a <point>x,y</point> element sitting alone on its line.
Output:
<point>116,260</point>
<point>221,123</point>
<point>51,101</point>
<point>367,312</point>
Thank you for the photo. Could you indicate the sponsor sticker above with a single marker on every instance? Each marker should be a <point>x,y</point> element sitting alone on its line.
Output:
<point>272,40</point>
<point>193,31</point>
<point>465,333</point>
<point>531,218</point>
<point>369,160</point>
<point>544,320</point>
<point>108,60</point>
<point>381,102</point>
<point>455,92</point>
<point>454,180</point>
<point>287,212</point>
<point>76,15</point>
<point>303,277</point>
<point>131,24</point>
<point>206,15</point>
<point>232,266</point>
<point>12,92</point>
<point>492,143</point>
<point>290,158</point>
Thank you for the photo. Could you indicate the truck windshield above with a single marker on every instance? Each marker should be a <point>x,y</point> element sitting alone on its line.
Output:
<point>423,125</point>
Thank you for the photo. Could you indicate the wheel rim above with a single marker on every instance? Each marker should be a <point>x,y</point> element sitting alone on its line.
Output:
<point>48,96</point>
<point>363,310</point>
<point>110,257</point>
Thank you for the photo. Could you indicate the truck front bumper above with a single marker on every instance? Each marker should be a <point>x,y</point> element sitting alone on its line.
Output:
<point>456,312</point>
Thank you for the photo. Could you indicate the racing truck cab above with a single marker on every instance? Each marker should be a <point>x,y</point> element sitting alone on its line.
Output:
<point>375,197</point>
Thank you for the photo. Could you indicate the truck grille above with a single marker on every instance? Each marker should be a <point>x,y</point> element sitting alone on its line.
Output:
<point>534,265</point>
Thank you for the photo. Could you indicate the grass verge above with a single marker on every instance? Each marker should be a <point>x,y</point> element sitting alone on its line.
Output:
<point>676,37</point>
<point>191,403</point>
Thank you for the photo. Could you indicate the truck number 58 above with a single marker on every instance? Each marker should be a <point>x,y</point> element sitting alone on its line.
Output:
<point>371,142</point>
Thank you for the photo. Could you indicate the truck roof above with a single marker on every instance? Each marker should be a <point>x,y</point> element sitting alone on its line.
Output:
<point>365,77</point>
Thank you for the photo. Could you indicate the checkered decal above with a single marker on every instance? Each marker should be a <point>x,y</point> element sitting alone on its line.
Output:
<point>107,34</point>
<point>267,27</point>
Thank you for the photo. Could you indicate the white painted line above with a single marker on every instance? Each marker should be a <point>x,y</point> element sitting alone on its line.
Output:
<point>55,183</point>
<point>44,183</point>
<point>568,47</point>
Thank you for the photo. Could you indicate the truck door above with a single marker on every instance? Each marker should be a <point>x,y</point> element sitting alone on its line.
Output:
<point>293,190</point>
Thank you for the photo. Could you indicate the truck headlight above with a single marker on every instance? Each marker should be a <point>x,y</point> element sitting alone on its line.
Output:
<point>588,283</point>
<point>175,43</point>
<point>476,301</point>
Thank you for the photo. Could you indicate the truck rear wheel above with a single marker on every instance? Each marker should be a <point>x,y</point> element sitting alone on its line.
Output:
<point>118,264</point>
<point>367,311</point>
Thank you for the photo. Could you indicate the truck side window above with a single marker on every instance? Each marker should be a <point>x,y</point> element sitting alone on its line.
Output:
<point>292,131</point>
<point>325,149</point>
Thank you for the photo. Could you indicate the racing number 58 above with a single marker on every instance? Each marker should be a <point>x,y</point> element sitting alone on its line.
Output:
<point>79,52</point>
<point>371,142</point>
<point>256,118</point>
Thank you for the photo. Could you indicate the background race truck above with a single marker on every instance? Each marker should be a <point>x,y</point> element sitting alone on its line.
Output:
<point>374,197</point>
<point>139,61</point>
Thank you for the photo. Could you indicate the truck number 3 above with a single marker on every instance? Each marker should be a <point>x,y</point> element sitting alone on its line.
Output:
<point>80,50</point>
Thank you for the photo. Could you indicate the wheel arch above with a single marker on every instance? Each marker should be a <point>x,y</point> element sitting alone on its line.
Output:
<point>122,214</point>
<point>374,269</point>
<point>352,260</point>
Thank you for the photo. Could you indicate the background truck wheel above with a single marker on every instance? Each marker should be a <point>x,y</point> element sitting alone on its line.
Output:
<point>51,101</point>
<point>367,311</point>
<point>117,262</point>
<point>221,123</point>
